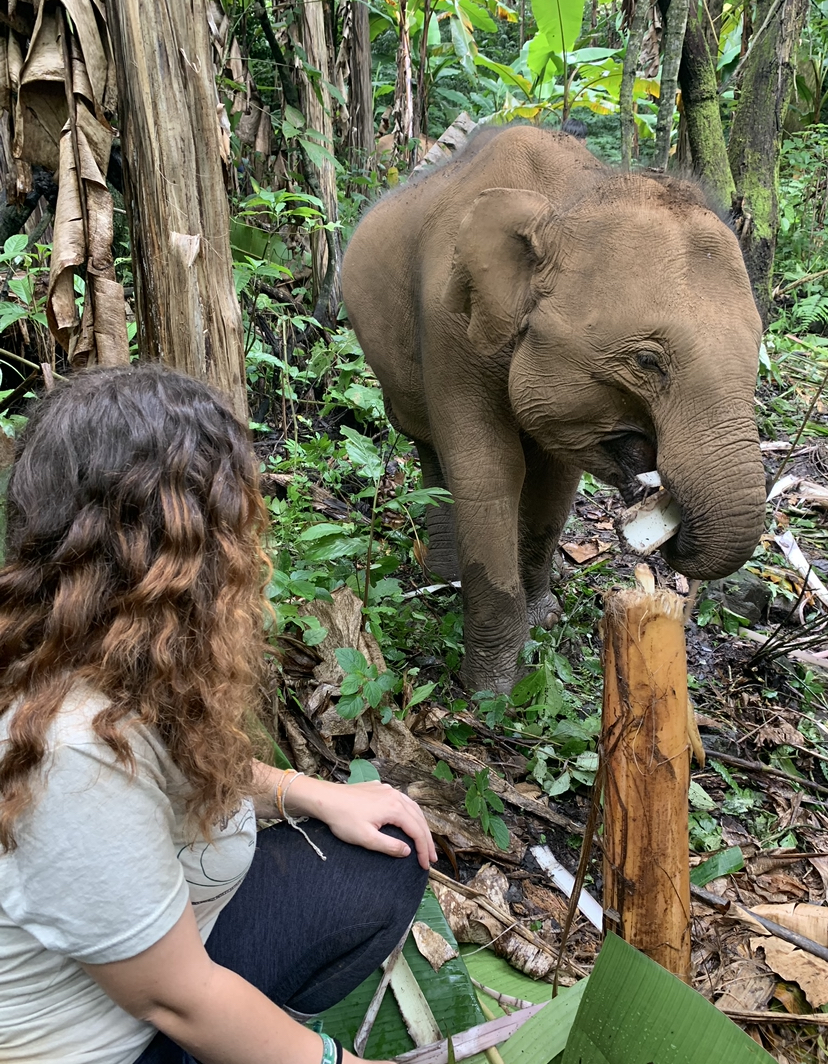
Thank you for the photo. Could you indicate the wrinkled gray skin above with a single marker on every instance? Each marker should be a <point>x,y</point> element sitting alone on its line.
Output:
<point>530,314</point>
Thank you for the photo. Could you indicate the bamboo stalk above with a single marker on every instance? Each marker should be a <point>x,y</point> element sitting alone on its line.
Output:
<point>647,774</point>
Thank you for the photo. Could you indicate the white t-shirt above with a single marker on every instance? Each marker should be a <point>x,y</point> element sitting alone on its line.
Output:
<point>104,867</point>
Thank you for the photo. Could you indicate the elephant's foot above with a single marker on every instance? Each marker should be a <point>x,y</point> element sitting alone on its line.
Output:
<point>545,611</point>
<point>496,670</point>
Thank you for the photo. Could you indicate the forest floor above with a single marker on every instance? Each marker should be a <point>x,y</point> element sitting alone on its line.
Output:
<point>757,648</point>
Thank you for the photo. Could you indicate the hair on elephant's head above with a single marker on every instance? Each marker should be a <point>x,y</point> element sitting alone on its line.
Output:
<point>634,340</point>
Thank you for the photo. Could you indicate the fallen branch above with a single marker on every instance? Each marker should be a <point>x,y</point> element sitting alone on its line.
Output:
<point>469,765</point>
<point>768,770</point>
<point>818,1019</point>
<point>740,912</point>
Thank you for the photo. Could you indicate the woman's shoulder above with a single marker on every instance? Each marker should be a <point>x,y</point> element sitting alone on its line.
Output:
<point>73,729</point>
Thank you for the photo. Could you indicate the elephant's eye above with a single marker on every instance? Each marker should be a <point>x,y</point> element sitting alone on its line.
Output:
<point>650,360</point>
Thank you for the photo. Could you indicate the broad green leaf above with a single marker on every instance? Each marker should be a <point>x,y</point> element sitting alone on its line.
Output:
<point>249,240</point>
<point>634,1011</point>
<point>499,832</point>
<point>15,245</point>
<point>443,771</point>
<point>720,864</point>
<point>449,993</point>
<point>543,1037</point>
<point>506,74</point>
<point>419,694</point>
<point>294,116</point>
<point>9,314</point>
<point>559,21</point>
<point>350,706</point>
<point>363,453</point>
<point>540,55</point>
<point>362,771</point>
<point>351,660</point>
<point>324,528</point>
<point>373,693</point>
<point>590,55</point>
<point>464,45</point>
<point>351,684</point>
<point>478,16</point>
<point>699,798</point>
<point>319,155</point>
<point>22,287</point>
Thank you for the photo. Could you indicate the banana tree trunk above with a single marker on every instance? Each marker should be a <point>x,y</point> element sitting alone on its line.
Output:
<point>188,314</point>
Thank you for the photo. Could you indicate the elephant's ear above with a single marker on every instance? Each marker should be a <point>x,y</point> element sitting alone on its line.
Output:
<point>501,243</point>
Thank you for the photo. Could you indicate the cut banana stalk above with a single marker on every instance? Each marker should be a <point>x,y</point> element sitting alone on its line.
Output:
<point>650,480</point>
<point>644,527</point>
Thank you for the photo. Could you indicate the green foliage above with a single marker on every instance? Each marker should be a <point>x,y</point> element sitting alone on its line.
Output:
<point>484,805</point>
<point>21,267</point>
<point>363,685</point>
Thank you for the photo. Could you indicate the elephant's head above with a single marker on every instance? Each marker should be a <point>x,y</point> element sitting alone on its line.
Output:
<point>634,342</point>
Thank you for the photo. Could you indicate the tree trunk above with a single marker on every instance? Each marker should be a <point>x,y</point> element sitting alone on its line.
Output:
<point>756,135</point>
<point>634,39</point>
<point>700,98</point>
<point>188,314</point>
<point>316,107</point>
<point>675,22</point>
<point>361,95</point>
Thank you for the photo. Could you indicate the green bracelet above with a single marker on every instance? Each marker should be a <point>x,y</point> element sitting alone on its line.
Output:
<point>331,1050</point>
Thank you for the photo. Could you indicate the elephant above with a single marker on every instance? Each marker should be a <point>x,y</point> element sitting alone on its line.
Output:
<point>532,314</point>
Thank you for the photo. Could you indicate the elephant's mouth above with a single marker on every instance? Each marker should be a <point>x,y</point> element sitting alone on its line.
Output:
<point>631,453</point>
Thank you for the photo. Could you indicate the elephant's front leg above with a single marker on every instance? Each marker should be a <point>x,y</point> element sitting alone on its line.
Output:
<point>545,503</point>
<point>485,473</point>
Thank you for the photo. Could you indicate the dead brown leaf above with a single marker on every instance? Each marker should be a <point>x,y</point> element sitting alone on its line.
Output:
<point>797,966</point>
<point>432,945</point>
<point>585,552</point>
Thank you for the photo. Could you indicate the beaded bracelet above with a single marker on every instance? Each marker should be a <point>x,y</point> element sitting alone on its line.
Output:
<point>331,1050</point>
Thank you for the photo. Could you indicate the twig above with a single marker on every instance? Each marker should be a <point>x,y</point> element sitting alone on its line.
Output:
<point>19,391</point>
<point>502,917</point>
<point>779,292</point>
<point>741,912</point>
<point>768,770</point>
<point>25,362</point>
<point>505,1001</point>
<point>818,1019</point>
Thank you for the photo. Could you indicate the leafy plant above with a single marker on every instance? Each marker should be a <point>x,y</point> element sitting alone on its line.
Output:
<point>363,685</point>
<point>484,805</point>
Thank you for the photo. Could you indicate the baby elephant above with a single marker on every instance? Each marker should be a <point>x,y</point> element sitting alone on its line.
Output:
<point>532,314</point>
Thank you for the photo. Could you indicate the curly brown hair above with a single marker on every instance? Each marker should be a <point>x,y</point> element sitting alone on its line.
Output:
<point>135,524</point>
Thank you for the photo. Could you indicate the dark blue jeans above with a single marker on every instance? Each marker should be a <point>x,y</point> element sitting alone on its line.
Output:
<point>306,931</point>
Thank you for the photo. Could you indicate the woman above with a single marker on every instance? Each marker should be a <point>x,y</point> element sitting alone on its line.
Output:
<point>141,917</point>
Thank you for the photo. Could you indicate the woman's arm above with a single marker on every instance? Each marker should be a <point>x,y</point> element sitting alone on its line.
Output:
<point>208,1010</point>
<point>354,812</point>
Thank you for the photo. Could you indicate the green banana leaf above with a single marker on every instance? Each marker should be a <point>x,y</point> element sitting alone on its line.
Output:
<point>635,1012</point>
<point>449,992</point>
<point>542,1038</point>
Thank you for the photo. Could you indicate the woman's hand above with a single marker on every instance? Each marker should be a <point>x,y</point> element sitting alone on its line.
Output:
<point>354,812</point>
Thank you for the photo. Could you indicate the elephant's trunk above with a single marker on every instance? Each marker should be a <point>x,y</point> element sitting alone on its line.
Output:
<point>712,465</point>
